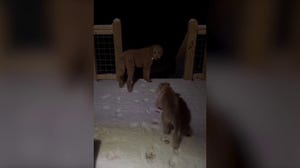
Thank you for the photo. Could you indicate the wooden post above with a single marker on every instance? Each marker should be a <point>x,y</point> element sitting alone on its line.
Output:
<point>202,31</point>
<point>117,35</point>
<point>94,58</point>
<point>190,50</point>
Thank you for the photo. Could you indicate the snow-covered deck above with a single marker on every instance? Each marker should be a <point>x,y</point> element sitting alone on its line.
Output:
<point>130,130</point>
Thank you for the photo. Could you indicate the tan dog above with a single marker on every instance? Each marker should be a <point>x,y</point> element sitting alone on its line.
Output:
<point>175,113</point>
<point>141,58</point>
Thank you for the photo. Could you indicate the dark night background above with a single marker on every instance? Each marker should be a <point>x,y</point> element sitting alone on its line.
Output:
<point>149,23</point>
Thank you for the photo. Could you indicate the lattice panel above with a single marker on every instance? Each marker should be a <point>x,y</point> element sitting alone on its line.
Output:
<point>105,54</point>
<point>199,54</point>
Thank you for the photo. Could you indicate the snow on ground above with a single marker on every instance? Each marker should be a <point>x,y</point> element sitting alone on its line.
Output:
<point>130,129</point>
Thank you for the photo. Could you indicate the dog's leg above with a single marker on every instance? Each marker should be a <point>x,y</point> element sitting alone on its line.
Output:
<point>146,74</point>
<point>130,72</point>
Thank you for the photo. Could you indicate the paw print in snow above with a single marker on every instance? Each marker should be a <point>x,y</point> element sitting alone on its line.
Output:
<point>165,140</point>
<point>150,155</point>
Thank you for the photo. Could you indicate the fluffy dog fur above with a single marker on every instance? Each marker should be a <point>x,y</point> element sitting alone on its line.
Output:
<point>175,113</point>
<point>141,58</point>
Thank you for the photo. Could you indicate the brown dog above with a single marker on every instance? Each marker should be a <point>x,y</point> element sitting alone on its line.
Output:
<point>141,58</point>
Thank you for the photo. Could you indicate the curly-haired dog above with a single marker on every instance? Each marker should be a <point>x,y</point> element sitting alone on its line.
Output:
<point>141,58</point>
<point>175,113</point>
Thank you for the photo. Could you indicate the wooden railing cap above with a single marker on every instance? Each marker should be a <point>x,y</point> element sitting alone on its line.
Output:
<point>116,20</point>
<point>193,21</point>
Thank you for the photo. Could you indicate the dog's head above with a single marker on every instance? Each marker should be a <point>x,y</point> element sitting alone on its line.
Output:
<point>157,52</point>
